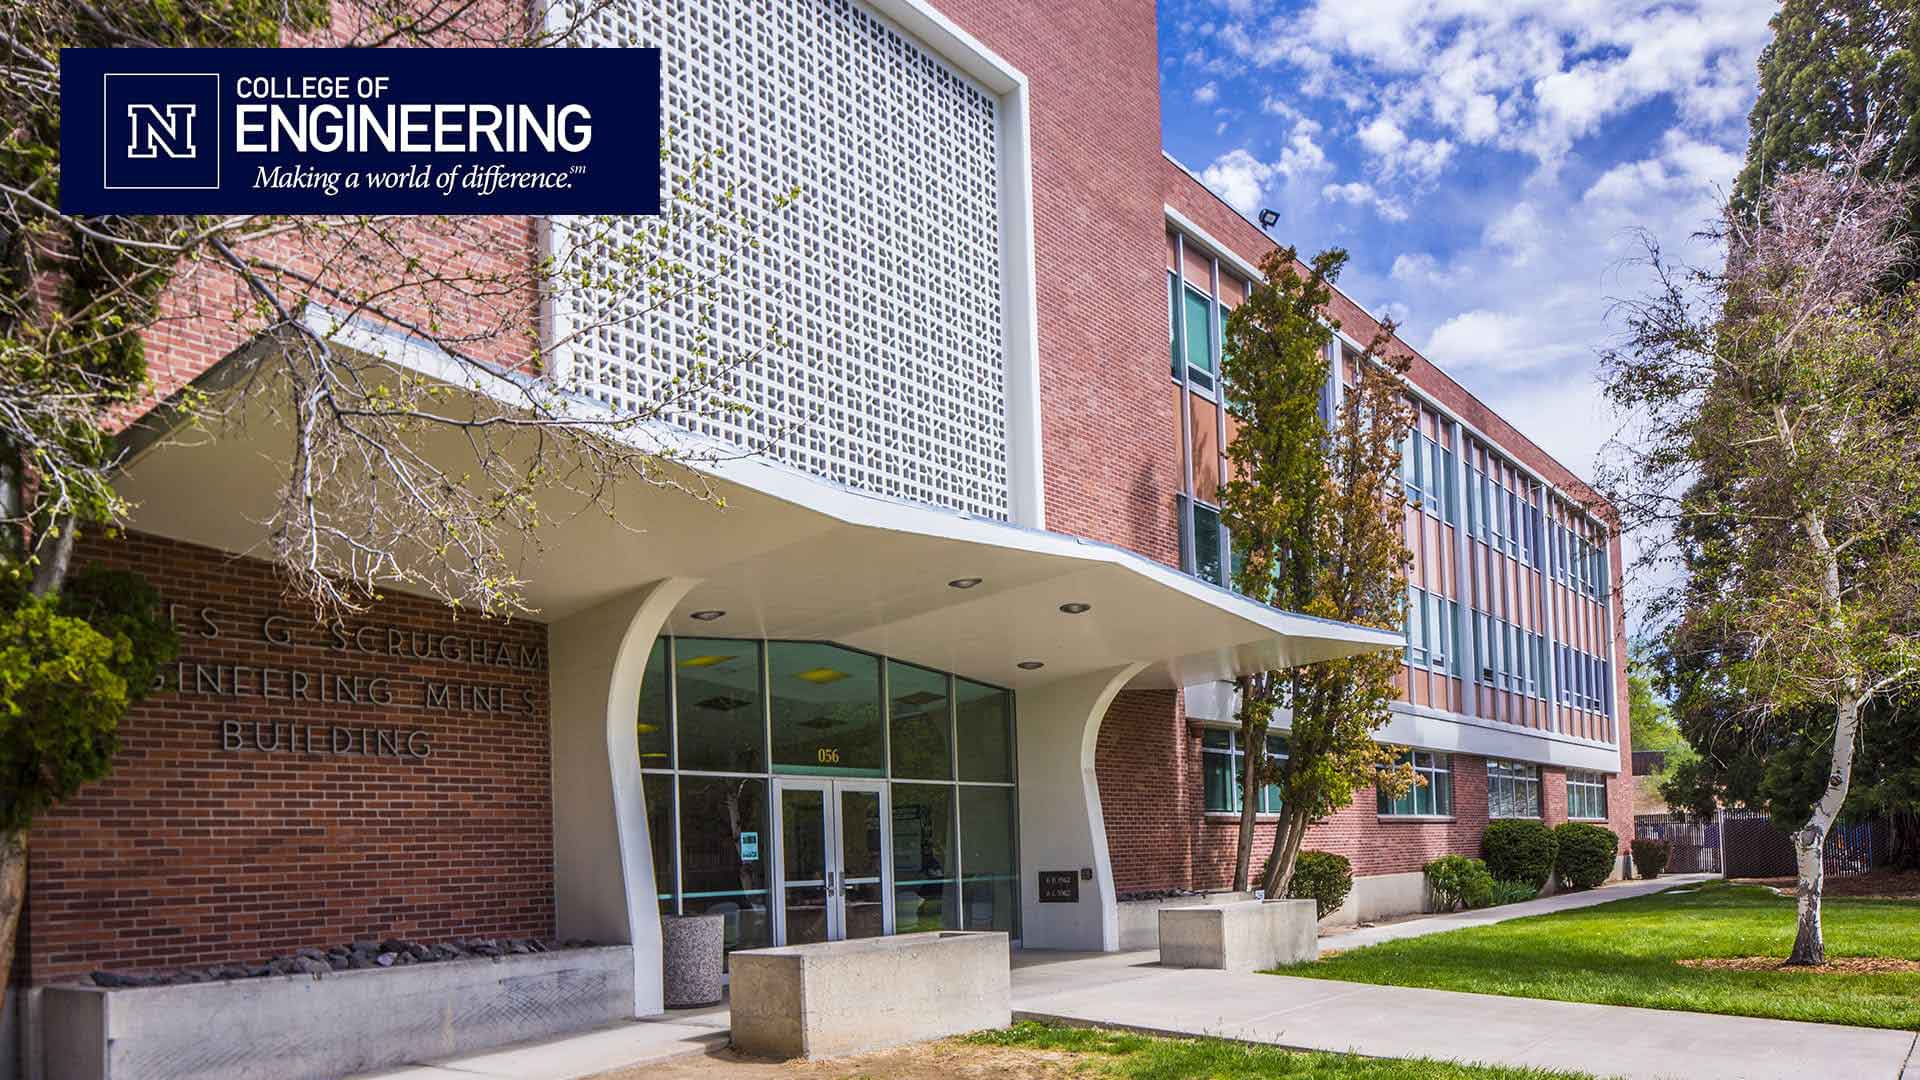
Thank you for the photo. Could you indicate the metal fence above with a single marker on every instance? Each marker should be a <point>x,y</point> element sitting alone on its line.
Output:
<point>1693,847</point>
<point>1753,846</point>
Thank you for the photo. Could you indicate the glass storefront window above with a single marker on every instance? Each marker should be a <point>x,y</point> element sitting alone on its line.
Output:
<point>721,719</point>
<point>985,726</point>
<point>826,710</point>
<point>926,879</point>
<point>987,829</point>
<point>815,756</point>
<point>657,790</point>
<point>920,706</point>
<point>656,714</point>
<point>723,855</point>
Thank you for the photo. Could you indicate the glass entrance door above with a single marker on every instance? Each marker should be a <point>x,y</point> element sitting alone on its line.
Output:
<point>832,866</point>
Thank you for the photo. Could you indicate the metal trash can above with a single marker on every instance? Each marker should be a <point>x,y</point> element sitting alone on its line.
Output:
<point>692,950</point>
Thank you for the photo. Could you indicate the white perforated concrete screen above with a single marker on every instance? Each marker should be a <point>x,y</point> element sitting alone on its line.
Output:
<point>883,280</point>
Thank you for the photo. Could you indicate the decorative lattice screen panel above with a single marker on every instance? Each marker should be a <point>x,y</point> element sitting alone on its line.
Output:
<point>876,296</point>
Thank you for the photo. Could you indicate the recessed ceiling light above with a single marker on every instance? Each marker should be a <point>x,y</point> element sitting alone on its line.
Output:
<point>1076,608</point>
<point>704,661</point>
<point>1029,665</point>
<point>964,582</point>
<point>820,675</point>
<point>706,616</point>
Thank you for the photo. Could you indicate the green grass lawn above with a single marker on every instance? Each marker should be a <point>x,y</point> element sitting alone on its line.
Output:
<point>1128,1056</point>
<point>1625,953</point>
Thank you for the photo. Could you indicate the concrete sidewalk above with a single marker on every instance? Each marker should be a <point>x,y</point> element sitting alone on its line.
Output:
<point>1131,990</point>
<point>1343,940</point>
<point>581,1054</point>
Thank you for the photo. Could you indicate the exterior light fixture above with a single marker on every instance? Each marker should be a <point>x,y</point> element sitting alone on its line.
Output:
<point>1029,665</point>
<point>1076,608</point>
<point>706,616</point>
<point>1269,218</point>
<point>964,582</point>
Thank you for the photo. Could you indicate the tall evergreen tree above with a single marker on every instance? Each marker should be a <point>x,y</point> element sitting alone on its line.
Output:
<point>1835,69</point>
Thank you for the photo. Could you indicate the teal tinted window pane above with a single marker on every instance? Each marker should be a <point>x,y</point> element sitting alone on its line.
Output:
<point>1220,781</point>
<point>1173,339</point>
<point>657,790</point>
<point>1206,543</point>
<point>654,725</point>
<point>920,706</point>
<point>925,873</point>
<point>987,818</point>
<point>826,709</point>
<point>1199,330</point>
<point>724,848</point>
<point>1442,793</point>
<point>992,905</point>
<point>1270,794</point>
<point>987,830</point>
<point>985,723</point>
<point>721,717</point>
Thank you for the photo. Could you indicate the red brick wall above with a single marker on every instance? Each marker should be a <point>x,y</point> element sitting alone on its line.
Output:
<point>1111,443</point>
<point>191,854</point>
<point>1147,761</point>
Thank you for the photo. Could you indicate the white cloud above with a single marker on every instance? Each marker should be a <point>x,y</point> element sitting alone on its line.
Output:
<point>1532,76</point>
<point>1239,178</point>
<point>1356,193</point>
<point>1515,235</point>
<point>1207,93</point>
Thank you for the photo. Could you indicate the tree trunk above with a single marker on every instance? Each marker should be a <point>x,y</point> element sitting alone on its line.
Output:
<point>1287,838</point>
<point>1249,764</point>
<point>1809,944</point>
<point>51,572</point>
<point>1249,801</point>
<point>13,897</point>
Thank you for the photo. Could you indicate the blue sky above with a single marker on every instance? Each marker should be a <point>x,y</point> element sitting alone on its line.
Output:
<point>1486,162</point>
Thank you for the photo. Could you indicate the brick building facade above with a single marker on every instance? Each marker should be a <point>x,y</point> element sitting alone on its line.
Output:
<point>562,783</point>
<point>405,819</point>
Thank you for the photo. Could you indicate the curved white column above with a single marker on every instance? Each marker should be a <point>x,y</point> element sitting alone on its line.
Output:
<point>1061,824</point>
<point>603,876</point>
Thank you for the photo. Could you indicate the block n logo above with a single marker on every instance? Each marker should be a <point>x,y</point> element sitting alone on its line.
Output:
<point>164,128</point>
<point>162,131</point>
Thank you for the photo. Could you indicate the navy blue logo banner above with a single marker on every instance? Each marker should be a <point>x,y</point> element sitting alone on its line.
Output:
<point>360,131</point>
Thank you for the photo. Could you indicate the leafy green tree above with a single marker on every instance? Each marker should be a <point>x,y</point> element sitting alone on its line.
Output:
<point>1771,404</point>
<point>1314,507</point>
<point>70,665</point>
<point>1834,70</point>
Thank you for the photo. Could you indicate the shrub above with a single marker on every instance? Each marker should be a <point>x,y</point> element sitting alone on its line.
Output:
<point>1586,854</point>
<point>1650,857</point>
<point>1512,892</point>
<point>1324,878</point>
<point>1458,881</point>
<point>1519,850</point>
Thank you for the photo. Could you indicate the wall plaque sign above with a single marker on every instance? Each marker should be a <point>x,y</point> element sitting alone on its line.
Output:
<point>1059,886</point>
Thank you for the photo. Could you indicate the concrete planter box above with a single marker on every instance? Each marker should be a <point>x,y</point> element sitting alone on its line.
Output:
<point>298,1027</point>
<point>1250,935</point>
<point>846,997</point>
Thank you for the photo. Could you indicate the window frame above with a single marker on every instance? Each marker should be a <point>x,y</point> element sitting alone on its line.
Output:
<point>1513,780</point>
<point>1436,764</point>
<point>1589,785</point>
<point>1236,756</point>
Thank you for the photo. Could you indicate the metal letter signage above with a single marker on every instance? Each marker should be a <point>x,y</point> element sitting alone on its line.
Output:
<point>1059,887</point>
<point>360,131</point>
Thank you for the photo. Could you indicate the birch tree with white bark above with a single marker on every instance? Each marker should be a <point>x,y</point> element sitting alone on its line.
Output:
<point>1773,425</point>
